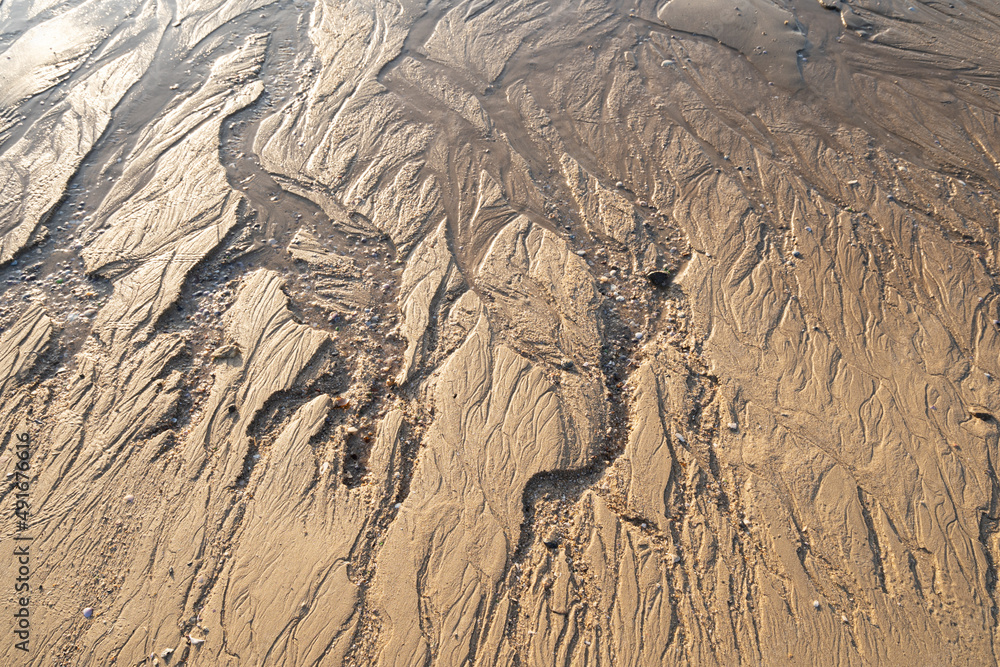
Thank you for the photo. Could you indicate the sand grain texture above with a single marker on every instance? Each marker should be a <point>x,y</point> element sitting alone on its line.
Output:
<point>502,332</point>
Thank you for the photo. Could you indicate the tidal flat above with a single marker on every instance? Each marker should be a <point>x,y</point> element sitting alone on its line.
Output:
<point>620,333</point>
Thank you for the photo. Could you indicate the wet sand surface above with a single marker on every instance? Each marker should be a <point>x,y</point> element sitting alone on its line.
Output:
<point>501,332</point>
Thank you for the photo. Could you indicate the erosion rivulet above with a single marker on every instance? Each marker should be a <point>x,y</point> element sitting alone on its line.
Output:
<point>502,332</point>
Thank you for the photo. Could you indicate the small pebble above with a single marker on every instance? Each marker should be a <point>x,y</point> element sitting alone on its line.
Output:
<point>816,604</point>
<point>130,499</point>
<point>88,612</point>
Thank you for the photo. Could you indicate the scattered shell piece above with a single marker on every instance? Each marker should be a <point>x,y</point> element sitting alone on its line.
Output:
<point>226,352</point>
<point>659,279</point>
<point>816,604</point>
<point>88,612</point>
<point>130,499</point>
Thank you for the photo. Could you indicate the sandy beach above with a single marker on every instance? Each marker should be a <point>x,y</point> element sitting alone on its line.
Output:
<point>499,332</point>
